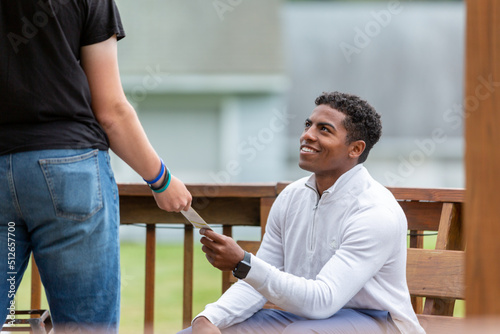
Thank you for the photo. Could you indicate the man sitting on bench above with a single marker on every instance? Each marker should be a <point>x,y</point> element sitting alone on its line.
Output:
<point>334,253</point>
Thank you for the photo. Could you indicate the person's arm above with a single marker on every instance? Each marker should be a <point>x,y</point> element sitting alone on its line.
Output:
<point>237,304</point>
<point>367,246</point>
<point>224,253</point>
<point>121,124</point>
<point>241,301</point>
<point>202,325</point>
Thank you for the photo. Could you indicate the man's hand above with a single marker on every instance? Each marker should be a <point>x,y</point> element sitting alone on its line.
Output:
<point>221,251</point>
<point>202,325</point>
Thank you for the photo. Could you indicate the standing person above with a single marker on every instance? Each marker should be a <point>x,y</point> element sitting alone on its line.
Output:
<point>61,107</point>
<point>334,253</point>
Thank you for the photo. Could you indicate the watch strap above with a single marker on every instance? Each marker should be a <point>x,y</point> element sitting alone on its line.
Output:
<point>243,267</point>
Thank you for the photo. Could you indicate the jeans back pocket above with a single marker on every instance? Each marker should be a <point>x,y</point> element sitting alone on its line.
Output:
<point>74,184</point>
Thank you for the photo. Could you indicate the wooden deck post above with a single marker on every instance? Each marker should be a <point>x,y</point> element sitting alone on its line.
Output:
<point>226,230</point>
<point>187,295</point>
<point>36,286</point>
<point>149,303</point>
<point>482,157</point>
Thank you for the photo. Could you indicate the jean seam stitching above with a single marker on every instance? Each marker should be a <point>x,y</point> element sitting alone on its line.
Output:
<point>12,187</point>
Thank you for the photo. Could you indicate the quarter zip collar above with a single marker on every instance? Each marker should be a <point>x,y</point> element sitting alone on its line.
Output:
<point>343,184</point>
<point>339,185</point>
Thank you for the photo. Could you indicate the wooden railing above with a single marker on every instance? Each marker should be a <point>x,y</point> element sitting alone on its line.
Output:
<point>230,205</point>
<point>227,205</point>
<point>249,205</point>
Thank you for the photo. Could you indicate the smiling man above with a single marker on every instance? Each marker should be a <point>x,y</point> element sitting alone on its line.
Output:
<point>334,253</point>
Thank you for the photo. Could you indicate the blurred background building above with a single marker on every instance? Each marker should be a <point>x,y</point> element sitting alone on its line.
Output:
<point>223,87</point>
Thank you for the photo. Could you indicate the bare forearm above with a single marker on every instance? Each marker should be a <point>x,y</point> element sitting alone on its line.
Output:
<point>129,141</point>
<point>120,122</point>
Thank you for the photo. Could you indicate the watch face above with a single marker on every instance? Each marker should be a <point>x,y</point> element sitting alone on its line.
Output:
<point>243,267</point>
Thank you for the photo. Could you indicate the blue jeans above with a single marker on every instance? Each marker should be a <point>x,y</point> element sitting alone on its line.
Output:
<point>345,321</point>
<point>62,205</point>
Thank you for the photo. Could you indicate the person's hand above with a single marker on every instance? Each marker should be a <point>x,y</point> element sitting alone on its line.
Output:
<point>175,198</point>
<point>220,250</point>
<point>202,325</point>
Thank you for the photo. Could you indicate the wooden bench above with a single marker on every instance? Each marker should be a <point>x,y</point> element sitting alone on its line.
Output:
<point>438,274</point>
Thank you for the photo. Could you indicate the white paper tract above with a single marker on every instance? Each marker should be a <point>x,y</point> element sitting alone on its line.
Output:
<point>195,219</point>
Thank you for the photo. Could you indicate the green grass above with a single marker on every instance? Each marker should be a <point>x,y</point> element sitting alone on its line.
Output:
<point>168,288</point>
<point>168,292</point>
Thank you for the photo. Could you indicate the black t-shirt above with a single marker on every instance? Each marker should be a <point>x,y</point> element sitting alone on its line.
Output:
<point>44,94</point>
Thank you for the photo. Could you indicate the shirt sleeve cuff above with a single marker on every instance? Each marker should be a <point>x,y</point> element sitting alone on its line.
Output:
<point>258,274</point>
<point>212,318</point>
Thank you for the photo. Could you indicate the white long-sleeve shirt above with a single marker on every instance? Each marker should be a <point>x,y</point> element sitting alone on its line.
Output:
<point>343,249</point>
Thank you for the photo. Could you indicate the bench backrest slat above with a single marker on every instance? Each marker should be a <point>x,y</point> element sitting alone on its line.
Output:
<point>422,216</point>
<point>436,273</point>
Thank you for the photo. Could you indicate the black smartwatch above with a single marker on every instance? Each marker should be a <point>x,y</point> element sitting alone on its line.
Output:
<point>243,267</point>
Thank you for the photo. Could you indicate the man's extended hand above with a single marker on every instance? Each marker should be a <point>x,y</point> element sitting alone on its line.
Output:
<point>221,251</point>
<point>202,325</point>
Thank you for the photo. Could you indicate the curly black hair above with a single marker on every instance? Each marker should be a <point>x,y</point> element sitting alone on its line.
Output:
<point>362,122</point>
